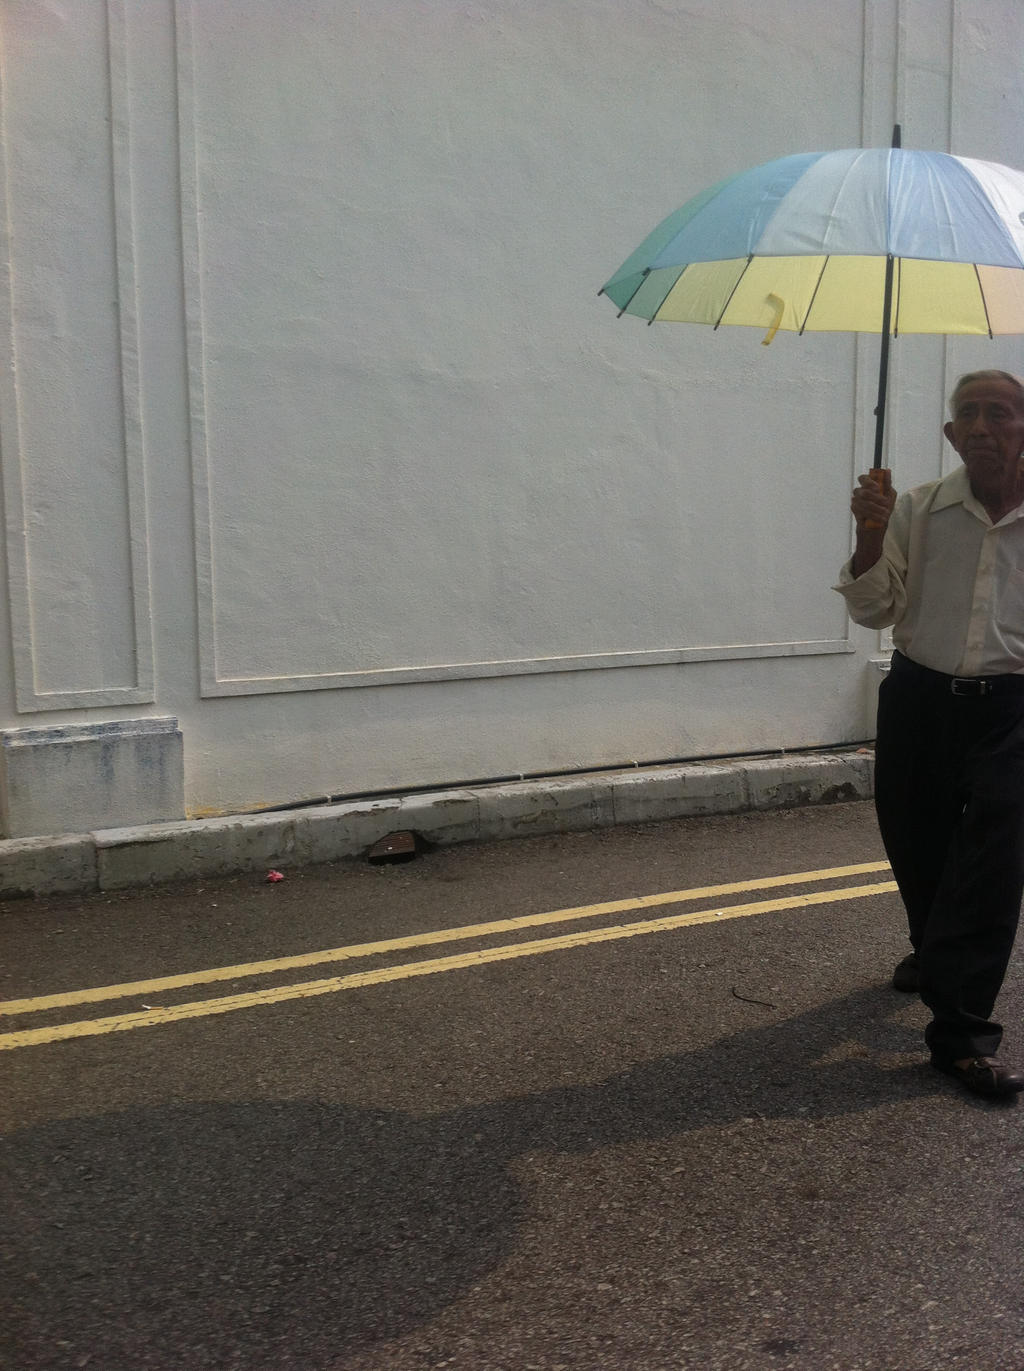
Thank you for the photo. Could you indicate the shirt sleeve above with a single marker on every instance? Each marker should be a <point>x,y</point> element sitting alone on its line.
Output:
<point>878,598</point>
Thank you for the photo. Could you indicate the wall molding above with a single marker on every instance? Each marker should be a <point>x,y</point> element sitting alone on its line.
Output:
<point>527,666</point>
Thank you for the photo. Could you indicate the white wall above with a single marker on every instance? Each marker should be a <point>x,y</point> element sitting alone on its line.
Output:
<point>316,436</point>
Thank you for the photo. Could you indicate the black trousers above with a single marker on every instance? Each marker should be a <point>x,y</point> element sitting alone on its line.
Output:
<point>949,794</point>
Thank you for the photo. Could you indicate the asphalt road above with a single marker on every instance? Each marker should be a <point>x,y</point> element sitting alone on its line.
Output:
<point>575,1143</point>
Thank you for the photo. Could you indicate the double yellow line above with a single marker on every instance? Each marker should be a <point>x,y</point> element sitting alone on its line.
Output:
<point>150,1017</point>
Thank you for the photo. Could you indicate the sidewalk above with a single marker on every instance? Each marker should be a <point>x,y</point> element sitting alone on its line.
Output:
<point>116,858</point>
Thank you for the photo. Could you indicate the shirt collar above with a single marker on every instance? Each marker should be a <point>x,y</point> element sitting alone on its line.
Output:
<point>955,489</point>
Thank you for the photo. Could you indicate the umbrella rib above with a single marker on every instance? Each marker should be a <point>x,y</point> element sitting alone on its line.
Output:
<point>654,316</point>
<point>814,296</point>
<point>735,287</point>
<point>984,302</point>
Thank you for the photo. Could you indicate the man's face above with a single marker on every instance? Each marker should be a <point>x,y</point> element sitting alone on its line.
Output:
<point>987,430</point>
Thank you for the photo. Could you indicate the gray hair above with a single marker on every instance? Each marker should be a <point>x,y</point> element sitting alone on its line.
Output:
<point>971,376</point>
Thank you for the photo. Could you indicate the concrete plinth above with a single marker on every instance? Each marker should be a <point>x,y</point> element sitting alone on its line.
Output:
<point>80,777</point>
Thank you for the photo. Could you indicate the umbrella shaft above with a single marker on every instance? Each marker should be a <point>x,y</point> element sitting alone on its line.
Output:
<point>883,363</point>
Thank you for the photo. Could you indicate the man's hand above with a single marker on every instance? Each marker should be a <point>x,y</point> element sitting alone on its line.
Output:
<point>873,499</point>
<point>872,506</point>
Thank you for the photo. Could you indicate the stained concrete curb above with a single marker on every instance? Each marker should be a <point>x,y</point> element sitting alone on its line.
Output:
<point>117,858</point>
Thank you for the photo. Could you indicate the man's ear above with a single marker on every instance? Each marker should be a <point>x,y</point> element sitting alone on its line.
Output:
<point>948,431</point>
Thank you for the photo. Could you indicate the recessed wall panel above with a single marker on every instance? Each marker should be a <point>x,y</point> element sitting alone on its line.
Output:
<point>69,421</point>
<point>421,446</point>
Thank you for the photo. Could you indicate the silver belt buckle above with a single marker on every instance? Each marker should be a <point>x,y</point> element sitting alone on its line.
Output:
<point>968,685</point>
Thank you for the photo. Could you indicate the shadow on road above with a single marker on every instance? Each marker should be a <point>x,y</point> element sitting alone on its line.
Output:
<point>275,1234</point>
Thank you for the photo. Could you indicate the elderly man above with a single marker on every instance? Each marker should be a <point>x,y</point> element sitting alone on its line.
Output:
<point>944,564</point>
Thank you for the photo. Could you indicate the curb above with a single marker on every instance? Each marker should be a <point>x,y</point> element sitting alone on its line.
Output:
<point>121,858</point>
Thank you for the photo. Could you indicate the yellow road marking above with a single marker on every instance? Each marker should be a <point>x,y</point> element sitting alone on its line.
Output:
<point>444,935</point>
<point>275,995</point>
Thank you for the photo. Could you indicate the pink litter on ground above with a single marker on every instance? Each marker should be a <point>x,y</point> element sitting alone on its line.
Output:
<point>275,876</point>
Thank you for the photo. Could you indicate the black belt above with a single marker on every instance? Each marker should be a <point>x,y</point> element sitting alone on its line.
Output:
<point>971,687</point>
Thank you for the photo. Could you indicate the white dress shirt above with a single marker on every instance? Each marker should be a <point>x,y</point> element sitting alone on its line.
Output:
<point>949,581</point>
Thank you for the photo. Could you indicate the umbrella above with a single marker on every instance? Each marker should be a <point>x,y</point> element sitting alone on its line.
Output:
<point>869,240</point>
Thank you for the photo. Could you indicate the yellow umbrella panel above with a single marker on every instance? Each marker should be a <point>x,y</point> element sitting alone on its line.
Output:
<point>836,294</point>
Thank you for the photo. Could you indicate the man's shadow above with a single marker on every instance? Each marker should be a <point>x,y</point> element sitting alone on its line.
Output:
<point>265,1234</point>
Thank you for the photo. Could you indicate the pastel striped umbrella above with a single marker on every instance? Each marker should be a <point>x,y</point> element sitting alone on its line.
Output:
<point>869,240</point>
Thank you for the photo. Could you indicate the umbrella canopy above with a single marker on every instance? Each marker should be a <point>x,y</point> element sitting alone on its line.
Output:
<point>803,243</point>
